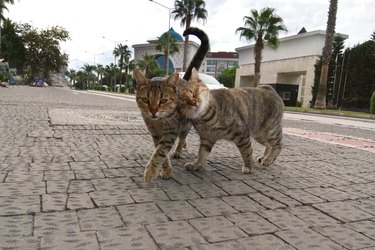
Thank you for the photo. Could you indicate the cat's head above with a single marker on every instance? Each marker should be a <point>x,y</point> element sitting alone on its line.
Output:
<point>156,98</point>
<point>193,96</point>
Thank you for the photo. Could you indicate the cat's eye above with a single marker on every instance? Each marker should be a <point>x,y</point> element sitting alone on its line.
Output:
<point>145,100</point>
<point>162,101</point>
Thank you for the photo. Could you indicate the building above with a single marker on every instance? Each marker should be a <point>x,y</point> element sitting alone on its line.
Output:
<point>175,61</point>
<point>289,68</point>
<point>216,62</point>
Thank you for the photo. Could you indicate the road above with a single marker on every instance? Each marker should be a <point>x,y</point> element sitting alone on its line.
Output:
<point>71,177</point>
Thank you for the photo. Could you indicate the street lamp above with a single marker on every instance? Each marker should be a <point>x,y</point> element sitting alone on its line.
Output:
<point>115,42</point>
<point>94,54</point>
<point>169,27</point>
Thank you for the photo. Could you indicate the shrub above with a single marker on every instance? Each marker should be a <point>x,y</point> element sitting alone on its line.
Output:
<point>372,103</point>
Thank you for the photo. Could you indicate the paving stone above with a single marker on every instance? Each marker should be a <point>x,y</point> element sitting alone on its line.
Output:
<point>21,225</point>
<point>346,236</point>
<point>174,234</point>
<point>84,165</point>
<point>216,229</point>
<point>121,163</point>
<point>185,177</point>
<point>114,184</point>
<point>367,205</point>
<point>126,238</point>
<point>208,190</point>
<point>16,205</point>
<point>59,175</point>
<point>59,186</point>
<point>179,210</point>
<point>227,245</point>
<point>282,198</point>
<point>264,242</point>
<point>99,218</point>
<point>313,216</point>
<point>58,223</point>
<point>331,194</point>
<point>252,223</point>
<point>266,201</point>
<point>88,174</point>
<point>180,192</point>
<point>261,187</point>
<point>343,211</point>
<point>235,187</point>
<point>111,197</point>
<point>305,238</point>
<point>141,214</point>
<point>54,202</point>
<point>283,219</point>
<point>50,166</point>
<point>22,188</point>
<point>16,242</point>
<point>147,195</point>
<point>242,203</point>
<point>80,186</point>
<point>212,206</point>
<point>80,240</point>
<point>79,201</point>
<point>366,227</point>
<point>24,176</point>
<point>303,196</point>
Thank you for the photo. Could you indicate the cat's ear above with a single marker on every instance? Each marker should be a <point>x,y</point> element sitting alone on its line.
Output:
<point>139,78</point>
<point>194,75</point>
<point>173,79</point>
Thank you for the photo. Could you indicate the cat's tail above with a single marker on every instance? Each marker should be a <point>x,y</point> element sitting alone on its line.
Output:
<point>201,52</point>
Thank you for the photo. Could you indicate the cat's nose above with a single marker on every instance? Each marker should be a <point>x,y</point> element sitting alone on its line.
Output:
<point>153,109</point>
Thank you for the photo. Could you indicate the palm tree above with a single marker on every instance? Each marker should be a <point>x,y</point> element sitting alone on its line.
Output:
<point>187,11</point>
<point>326,56</point>
<point>123,53</point>
<point>148,64</point>
<point>3,7</point>
<point>110,71</point>
<point>71,74</point>
<point>168,45</point>
<point>88,71</point>
<point>263,26</point>
<point>100,71</point>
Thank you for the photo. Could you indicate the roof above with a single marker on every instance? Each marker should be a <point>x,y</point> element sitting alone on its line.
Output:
<point>174,34</point>
<point>222,54</point>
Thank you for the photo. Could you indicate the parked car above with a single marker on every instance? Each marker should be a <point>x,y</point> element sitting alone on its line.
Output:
<point>210,81</point>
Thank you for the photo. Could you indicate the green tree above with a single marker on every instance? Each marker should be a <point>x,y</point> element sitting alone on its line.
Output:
<point>150,66</point>
<point>263,26</point>
<point>72,75</point>
<point>228,77</point>
<point>373,36</point>
<point>3,6</point>
<point>168,45</point>
<point>89,75</point>
<point>187,11</point>
<point>43,53</point>
<point>326,56</point>
<point>123,53</point>
<point>13,49</point>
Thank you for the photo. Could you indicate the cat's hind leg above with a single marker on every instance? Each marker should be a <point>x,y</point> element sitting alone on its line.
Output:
<point>166,171</point>
<point>275,144</point>
<point>204,151</point>
<point>266,150</point>
<point>184,130</point>
<point>244,145</point>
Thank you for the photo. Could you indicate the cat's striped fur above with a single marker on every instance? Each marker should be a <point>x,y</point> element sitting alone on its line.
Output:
<point>235,115</point>
<point>157,100</point>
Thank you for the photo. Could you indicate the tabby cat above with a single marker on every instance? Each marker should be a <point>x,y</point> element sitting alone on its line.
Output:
<point>234,115</point>
<point>157,100</point>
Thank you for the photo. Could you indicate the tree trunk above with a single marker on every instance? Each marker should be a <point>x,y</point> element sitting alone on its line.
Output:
<point>320,101</point>
<point>166,58</point>
<point>185,53</point>
<point>258,60</point>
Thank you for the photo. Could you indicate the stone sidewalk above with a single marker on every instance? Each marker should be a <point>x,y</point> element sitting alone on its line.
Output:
<point>80,186</point>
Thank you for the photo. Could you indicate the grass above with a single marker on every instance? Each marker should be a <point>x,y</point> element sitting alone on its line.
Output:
<point>332,112</point>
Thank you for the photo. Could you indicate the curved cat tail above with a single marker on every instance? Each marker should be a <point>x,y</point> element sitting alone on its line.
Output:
<point>201,52</point>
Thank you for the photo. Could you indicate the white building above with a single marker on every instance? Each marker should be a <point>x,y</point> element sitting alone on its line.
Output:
<point>175,61</point>
<point>289,68</point>
<point>216,62</point>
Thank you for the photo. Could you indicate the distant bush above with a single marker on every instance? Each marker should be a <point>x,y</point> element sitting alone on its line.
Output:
<point>372,103</point>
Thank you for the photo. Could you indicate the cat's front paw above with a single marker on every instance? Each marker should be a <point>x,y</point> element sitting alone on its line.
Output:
<point>192,167</point>
<point>150,174</point>
<point>246,170</point>
<point>166,173</point>
<point>266,162</point>
<point>260,159</point>
<point>176,154</point>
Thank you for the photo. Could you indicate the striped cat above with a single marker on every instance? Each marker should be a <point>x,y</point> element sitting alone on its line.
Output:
<point>157,100</point>
<point>234,115</point>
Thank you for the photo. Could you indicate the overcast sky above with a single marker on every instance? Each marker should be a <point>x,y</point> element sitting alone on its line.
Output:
<point>136,21</point>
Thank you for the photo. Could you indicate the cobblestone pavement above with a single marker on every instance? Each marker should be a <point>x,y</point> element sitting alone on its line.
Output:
<point>71,168</point>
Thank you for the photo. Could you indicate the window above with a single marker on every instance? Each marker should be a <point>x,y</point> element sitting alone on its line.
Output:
<point>211,62</point>
<point>285,96</point>
<point>232,64</point>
